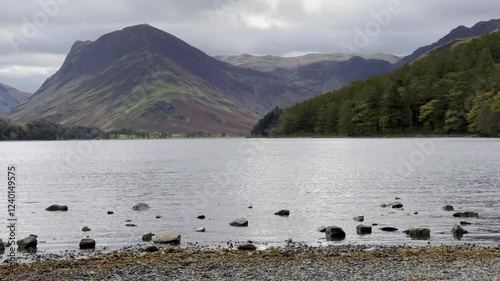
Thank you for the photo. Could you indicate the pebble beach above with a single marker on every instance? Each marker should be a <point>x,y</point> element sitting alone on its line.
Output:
<point>286,263</point>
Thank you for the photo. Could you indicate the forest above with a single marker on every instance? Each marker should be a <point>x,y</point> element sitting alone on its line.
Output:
<point>46,130</point>
<point>447,92</point>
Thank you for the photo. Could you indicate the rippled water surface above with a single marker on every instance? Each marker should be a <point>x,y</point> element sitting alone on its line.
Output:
<point>321,182</point>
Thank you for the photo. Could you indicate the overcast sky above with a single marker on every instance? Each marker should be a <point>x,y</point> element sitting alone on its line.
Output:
<point>28,56</point>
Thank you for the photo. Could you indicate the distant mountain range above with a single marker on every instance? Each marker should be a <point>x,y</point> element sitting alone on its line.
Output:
<point>146,79</point>
<point>10,98</point>
<point>320,73</point>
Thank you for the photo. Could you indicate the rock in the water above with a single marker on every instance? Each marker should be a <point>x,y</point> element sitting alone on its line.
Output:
<point>200,229</point>
<point>168,238</point>
<point>147,237</point>
<point>334,233</point>
<point>465,223</point>
<point>241,222</point>
<point>389,229</point>
<point>57,208</point>
<point>383,205</point>
<point>359,218</point>
<point>2,247</point>
<point>151,249</point>
<point>87,243</point>
<point>27,243</point>
<point>283,213</point>
<point>250,207</point>
<point>201,217</point>
<point>141,207</point>
<point>407,232</point>
<point>322,229</point>
<point>158,217</point>
<point>247,247</point>
<point>397,205</point>
<point>420,233</point>
<point>128,221</point>
<point>448,208</point>
<point>363,229</point>
<point>130,225</point>
<point>458,231</point>
<point>110,212</point>
<point>466,215</point>
<point>86,229</point>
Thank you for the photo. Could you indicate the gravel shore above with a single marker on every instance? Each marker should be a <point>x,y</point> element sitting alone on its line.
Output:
<point>332,263</point>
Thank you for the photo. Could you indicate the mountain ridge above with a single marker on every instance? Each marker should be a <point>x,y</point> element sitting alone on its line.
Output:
<point>10,98</point>
<point>459,32</point>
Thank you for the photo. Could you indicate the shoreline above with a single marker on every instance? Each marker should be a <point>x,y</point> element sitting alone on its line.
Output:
<point>293,262</point>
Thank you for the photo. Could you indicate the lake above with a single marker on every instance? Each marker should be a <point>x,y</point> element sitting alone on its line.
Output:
<point>321,182</point>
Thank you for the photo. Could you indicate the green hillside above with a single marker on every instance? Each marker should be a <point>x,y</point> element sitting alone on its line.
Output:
<point>453,92</point>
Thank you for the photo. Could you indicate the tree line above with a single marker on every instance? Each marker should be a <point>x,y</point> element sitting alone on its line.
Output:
<point>46,130</point>
<point>451,92</point>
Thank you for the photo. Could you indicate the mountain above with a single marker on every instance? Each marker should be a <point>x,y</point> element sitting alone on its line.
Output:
<point>320,73</point>
<point>325,76</point>
<point>146,79</point>
<point>454,91</point>
<point>10,98</point>
<point>458,33</point>
<point>271,63</point>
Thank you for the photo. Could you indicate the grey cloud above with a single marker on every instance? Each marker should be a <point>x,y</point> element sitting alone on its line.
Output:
<point>275,27</point>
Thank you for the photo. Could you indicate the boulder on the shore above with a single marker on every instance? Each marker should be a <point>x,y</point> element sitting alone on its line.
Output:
<point>465,223</point>
<point>28,243</point>
<point>57,208</point>
<point>151,249</point>
<point>241,222</point>
<point>458,231</point>
<point>383,205</point>
<point>110,212</point>
<point>86,229</point>
<point>158,216</point>
<point>168,238</point>
<point>359,218</point>
<point>397,205</point>
<point>247,247</point>
<point>2,247</point>
<point>448,208</point>
<point>283,213</point>
<point>202,229</point>
<point>363,229</point>
<point>141,207</point>
<point>322,229</point>
<point>87,243</point>
<point>334,233</point>
<point>147,237</point>
<point>466,215</point>
<point>420,233</point>
<point>201,217</point>
<point>389,229</point>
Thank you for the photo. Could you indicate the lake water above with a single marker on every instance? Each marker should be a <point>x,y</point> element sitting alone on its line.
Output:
<point>321,182</point>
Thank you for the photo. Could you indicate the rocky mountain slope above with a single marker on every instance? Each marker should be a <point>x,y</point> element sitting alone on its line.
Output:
<point>10,98</point>
<point>146,79</point>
